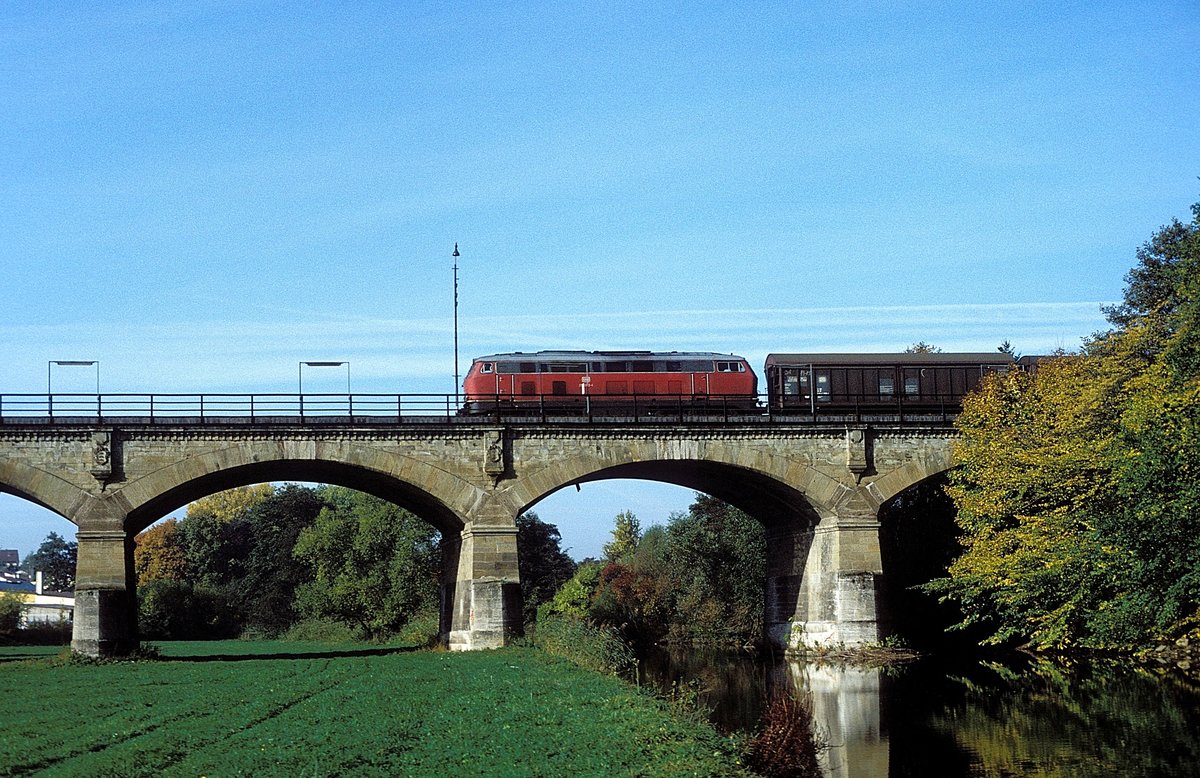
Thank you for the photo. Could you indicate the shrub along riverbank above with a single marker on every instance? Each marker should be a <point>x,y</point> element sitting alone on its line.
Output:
<point>280,708</point>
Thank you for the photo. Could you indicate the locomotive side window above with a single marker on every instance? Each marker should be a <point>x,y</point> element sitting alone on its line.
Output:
<point>486,367</point>
<point>642,367</point>
<point>528,367</point>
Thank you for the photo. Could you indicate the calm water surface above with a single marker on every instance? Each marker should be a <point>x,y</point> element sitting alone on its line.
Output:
<point>1022,717</point>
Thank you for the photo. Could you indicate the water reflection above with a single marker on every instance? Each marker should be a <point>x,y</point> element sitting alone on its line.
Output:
<point>1023,717</point>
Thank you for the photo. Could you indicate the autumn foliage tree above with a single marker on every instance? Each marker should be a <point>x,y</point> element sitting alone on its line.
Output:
<point>1079,484</point>
<point>158,554</point>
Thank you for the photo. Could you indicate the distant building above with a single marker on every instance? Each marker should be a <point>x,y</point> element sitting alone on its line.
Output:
<point>39,606</point>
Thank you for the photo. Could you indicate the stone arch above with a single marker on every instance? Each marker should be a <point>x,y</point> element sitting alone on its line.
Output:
<point>913,472</point>
<point>437,496</point>
<point>787,514</point>
<point>43,488</point>
<point>918,540</point>
<point>763,494</point>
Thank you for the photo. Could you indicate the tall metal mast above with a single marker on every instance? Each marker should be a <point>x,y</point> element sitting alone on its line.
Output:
<point>456,383</point>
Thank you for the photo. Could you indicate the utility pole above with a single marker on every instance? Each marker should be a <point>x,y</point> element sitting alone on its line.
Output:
<point>456,384</point>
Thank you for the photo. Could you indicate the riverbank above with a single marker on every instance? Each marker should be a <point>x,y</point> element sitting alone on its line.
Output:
<point>277,708</point>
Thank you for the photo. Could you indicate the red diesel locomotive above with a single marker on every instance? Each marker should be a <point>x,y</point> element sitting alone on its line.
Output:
<point>590,380</point>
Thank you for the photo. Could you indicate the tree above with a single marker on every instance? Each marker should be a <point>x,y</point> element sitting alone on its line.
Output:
<point>716,555</point>
<point>1158,285</point>
<point>55,559</point>
<point>544,567</point>
<point>626,533</point>
<point>265,592</point>
<point>635,593</point>
<point>1077,490</point>
<point>574,598</point>
<point>1035,470</point>
<point>231,504</point>
<point>10,613</point>
<point>374,564</point>
<point>1008,348</point>
<point>159,554</point>
<point>921,347</point>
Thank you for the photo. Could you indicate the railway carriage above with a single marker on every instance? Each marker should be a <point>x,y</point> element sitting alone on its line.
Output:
<point>592,380</point>
<point>877,383</point>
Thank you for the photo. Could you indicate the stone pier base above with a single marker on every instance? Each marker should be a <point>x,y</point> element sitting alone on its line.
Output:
<point>105,622</point>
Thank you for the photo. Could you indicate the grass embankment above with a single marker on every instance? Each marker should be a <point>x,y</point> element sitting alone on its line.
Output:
<point>297,709</point>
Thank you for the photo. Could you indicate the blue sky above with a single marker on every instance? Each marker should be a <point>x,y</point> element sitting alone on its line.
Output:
<point>199,195</point>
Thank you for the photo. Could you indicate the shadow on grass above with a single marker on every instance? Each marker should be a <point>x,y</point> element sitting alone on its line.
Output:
<point>331,654</point>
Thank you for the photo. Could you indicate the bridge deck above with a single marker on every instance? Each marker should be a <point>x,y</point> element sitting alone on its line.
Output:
<point>375,410</point>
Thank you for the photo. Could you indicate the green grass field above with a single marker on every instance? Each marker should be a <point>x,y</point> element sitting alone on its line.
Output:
<point>304,709</point>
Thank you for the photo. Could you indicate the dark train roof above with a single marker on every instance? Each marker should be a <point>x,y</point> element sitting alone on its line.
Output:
<point>600,356</point>
<point>962,358</point>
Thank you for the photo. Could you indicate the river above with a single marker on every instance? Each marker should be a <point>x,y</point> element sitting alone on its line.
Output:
<point>932,718</point>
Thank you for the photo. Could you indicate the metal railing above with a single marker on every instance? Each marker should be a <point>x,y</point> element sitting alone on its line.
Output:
<point>458,409</point>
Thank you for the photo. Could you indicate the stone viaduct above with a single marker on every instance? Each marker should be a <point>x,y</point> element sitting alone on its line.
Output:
<point>817,488</point>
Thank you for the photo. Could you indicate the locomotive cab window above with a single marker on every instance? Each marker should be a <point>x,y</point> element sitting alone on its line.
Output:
<point>730,367</point>
<point>486,367</point>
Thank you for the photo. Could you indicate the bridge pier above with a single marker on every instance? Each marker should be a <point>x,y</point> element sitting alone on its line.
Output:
<point>105,594</point>
<point>481,589</point>
<point>823,583</point>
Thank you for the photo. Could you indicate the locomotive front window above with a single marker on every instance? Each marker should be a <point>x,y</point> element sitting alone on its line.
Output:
<point>487,367</point>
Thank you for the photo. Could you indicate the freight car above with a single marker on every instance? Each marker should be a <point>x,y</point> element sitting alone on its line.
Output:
<point>879,387</point>
<point>587,381</point>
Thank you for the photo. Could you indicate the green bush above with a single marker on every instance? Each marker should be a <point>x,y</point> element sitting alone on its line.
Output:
<point>176,610</point>
<point>596,648</point>
<point>10,614</point>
